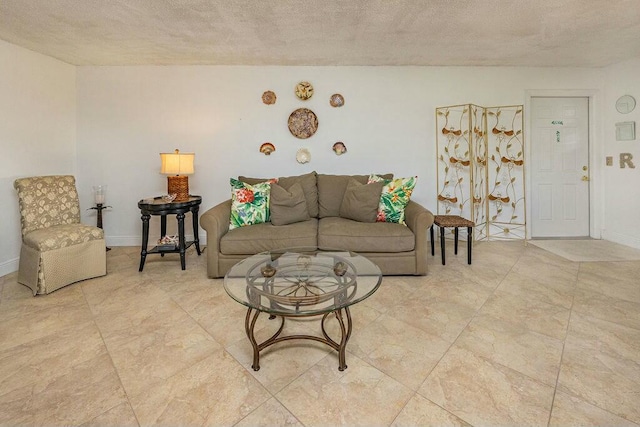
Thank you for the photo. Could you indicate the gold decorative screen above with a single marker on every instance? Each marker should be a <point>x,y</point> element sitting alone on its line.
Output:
<point>480,154</point>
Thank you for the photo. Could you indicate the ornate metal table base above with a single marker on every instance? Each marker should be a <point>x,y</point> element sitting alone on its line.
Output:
<point>345,331</point>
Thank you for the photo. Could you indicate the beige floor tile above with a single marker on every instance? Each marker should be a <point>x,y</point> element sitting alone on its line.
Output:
<point>361,316</point>
<point>553,284</point>
<point>105,298</point>
<point>605,337</point>
<point>223,318</point>
<point>193,290</point>
<point>494,255</point>
<point>422,412</point>
<point>511,345</point>
<point>537,316</point>
<point>78,395</point>
<point>601,364</point>
<point>458,291</point>
<point>609,308</point>
<point>18,408</point>
<point>443,319</point>
<point>572,411</point>
<point>121,416</point>
<point>484,273</point>
<point>270,413</point>
<point>442,309</point>
<point>393,291</point>
<point>121,258</point>
<point>535,255</point>
<point>588,250</point>
<point>28,325</point>
<point>621,279</point>
<point>482,392</point>
<point>43,359</point>
<point>403,352</point>
<point>142,360</point>
<point>360,395</point>
<point>285,361</point>
<point>165,329</point>
<point>214,391</point>
<point>18,300</point>
<point>542,289</point>
<point>282,362</point>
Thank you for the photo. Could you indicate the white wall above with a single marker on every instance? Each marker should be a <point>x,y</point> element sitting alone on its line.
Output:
<point>622,195</point>
<point>127,115</point>
<point>37,131</point>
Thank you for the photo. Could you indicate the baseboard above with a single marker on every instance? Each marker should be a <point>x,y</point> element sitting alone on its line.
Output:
<point>623,239</point>
<point>9,267</point>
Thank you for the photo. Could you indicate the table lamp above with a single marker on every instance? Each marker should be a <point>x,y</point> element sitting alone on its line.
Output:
<point>177,166</point>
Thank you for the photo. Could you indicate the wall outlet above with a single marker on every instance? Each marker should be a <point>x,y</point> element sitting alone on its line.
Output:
<point>609,160</point>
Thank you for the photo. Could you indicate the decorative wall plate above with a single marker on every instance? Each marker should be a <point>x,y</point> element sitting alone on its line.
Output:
<point>339,148</point>
<point>625,104</point>
<point>304,90</point>
<point>303,123</point>
<point>303,156</point>
<point>336,100</point>
<point>269,97</point>
<point>267,148</point>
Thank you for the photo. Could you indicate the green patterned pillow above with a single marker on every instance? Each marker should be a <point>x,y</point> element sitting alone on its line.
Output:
<point>249,203</point>
<point>395,196</point>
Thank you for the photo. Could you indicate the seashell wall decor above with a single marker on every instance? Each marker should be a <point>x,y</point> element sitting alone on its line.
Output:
<point>269,97</point>
<point>303,123</point>
<point>304,90</point>
<point>339,148</point>
<point>336,100</point>
<point>303,156</point>
<point>267,148</point>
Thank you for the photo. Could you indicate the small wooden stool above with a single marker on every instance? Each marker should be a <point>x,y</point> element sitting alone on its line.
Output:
<point>456,221</point>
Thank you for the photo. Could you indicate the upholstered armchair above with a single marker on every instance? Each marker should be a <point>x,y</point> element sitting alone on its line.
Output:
<point>56,249</point>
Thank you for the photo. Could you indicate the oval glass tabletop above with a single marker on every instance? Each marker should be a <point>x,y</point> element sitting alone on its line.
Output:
<point>294,283</point>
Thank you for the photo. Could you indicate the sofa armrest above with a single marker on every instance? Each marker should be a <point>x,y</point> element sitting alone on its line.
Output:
<point>216,222</point>
<point>419,219</point>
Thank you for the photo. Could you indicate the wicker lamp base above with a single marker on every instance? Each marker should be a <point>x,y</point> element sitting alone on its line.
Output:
<point>178,185</point>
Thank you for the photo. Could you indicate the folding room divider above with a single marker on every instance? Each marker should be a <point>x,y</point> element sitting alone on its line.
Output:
<point>480,153</point>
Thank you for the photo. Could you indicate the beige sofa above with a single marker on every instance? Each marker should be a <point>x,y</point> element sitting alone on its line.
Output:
<point>397,249</point>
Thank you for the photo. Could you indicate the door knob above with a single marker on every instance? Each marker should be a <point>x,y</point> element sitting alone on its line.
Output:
<point>585,178</point>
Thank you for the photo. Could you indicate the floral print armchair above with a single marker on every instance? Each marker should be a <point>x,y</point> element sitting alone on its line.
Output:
<point>56,249</point>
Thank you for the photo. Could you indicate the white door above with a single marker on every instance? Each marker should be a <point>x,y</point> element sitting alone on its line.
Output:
<point>559,167</point>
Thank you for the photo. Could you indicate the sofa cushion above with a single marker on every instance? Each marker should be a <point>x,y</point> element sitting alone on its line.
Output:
<point>288,206</point>
<point>346,234</point>
<point>264,237</point>
<point>308,182</point>
<point>331,190</point>
<point>394,198</point>
<point>360,201</point>
<point>249,203</point>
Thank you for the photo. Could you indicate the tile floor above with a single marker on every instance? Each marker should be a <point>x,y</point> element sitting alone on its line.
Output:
<point>521,337</point>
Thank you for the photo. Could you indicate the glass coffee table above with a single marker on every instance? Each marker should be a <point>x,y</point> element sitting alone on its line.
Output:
<point>294,283</point>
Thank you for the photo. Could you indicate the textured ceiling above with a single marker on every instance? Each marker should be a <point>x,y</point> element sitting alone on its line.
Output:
<point>587,33</point>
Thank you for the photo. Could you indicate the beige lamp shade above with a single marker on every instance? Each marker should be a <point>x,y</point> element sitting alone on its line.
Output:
<point>177,165</point>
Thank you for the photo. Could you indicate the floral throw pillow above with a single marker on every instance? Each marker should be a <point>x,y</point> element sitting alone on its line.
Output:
<point>395,196</point>
<point>249,203</point>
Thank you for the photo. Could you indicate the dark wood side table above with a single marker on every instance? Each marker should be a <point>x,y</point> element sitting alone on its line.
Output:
<point>159,206</point>
<point>455,221</point>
